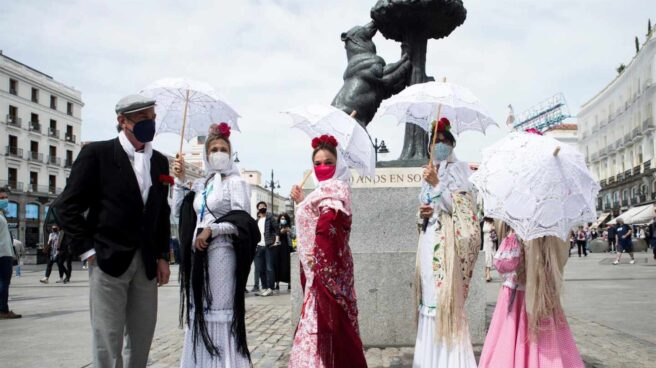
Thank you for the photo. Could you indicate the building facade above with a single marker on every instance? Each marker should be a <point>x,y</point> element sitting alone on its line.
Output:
<point>260,194</point>
<point>617,134</point>
<point>40,124</point>
<point>565,133</point>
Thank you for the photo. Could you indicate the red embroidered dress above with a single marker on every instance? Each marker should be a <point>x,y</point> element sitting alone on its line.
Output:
<point>327,334</point>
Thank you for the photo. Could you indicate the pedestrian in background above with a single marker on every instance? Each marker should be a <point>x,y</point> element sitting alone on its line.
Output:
<point>265,265</point>
<point>6,259</point>
<point>52,250</point>
<point>651,234</point>
<point>19,251</point>
<point>612,238</point>
<point>581,241</point>
<point>283,250</point>
<point>488,246</point>
<point>624,234</point>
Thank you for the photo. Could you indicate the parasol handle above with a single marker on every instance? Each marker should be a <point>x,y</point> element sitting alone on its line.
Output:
<point>437,118</point>
<point>353,113</point>
<point>556,151</point>
<point>184,122</point>
<point>305,178</point>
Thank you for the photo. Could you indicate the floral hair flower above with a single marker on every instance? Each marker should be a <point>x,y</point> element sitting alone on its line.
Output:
<point>533,131</point>
<point>443,125</point>
<point>326,139</point>
<point>222,129</point>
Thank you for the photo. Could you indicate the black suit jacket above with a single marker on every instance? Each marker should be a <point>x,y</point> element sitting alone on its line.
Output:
<point>270,229</point>
<point>118,223</point>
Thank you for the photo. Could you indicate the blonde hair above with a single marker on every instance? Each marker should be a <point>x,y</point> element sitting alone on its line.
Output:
<point>545,260</point>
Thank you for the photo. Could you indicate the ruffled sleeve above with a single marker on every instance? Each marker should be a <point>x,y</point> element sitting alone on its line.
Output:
<point>508,257</point>
<point>452,177</point>
<point>180,190</point>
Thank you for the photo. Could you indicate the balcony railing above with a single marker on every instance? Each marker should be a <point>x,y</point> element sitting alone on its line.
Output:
<point>647,165</point>
<point>603,183</point>
<point>648,124</point>
<point>68,163</point>
<point>52,132</point>
<point>53,160</point>
<point>620,177</point>
<point>625,202</point>
<point>35,156</point>
<point>14,121</point>
<point>35,126</point>
<point>611,180</point>
<point>70,138</point>
<point>38,188</point>
<point>12,185</point>
<point>14,151</point>
<point>627,174</point>
<point>636,170</point>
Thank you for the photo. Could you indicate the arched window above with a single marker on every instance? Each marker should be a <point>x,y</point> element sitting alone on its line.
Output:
<point>625,194</point>
<point>32,211</point>
<point>12,209</point>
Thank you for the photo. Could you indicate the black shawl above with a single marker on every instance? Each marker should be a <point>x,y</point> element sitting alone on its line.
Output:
<point>194,276</point>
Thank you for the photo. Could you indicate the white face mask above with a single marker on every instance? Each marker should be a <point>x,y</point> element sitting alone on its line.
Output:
<point>219,161</point>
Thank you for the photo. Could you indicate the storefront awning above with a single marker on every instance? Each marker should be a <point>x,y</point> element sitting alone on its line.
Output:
<point>636,215</point>
<point>603,217</point>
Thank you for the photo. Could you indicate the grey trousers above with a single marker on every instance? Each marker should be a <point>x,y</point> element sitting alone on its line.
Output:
<point>123,316</point>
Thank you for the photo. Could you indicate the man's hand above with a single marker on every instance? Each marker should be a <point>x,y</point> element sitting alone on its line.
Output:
<point>201,239</point>
<point>426,211</point>
<point>163,272</point>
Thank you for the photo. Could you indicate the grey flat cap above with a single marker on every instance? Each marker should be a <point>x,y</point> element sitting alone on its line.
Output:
<point>133,103</point>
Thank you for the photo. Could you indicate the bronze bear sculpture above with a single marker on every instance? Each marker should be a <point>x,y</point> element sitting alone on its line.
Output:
<point>367,79</point>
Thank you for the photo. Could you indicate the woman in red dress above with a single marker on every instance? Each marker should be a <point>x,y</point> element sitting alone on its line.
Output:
<point>327,335</point>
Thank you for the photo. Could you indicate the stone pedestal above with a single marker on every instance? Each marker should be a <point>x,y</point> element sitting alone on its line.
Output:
<point>384,241</point>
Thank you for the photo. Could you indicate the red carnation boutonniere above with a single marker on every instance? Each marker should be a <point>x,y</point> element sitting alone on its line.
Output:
<point>166,179</point>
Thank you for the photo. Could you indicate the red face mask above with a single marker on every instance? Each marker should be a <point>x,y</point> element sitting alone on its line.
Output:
<point>324,172</point>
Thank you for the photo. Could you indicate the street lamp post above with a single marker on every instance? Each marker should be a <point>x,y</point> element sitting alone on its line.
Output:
<point>273,184</point>
<point>380,148</point>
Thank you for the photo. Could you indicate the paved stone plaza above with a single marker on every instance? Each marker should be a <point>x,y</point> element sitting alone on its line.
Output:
<point>610,310</point>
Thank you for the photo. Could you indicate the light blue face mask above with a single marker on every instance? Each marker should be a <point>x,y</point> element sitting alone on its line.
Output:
<point>4,203</point>
<point>442,151</point>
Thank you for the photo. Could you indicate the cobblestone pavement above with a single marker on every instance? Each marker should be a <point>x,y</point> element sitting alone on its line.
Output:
<point>270,343</point>
<point>610,311</point>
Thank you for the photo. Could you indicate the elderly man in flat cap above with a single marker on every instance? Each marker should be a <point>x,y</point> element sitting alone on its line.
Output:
<point>123,184</point>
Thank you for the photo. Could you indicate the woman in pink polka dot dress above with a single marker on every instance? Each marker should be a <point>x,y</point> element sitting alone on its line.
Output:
<point>529,327</point>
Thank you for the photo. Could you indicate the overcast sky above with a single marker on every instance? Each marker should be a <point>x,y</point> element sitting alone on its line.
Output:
<point>266,56</point>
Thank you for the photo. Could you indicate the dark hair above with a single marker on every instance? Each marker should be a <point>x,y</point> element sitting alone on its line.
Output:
<point>3,190</point>
<point>324,146</point>
<point>488,219</point>
<point>261,202</point>
<point>448,137</point>
<point>286,216</point>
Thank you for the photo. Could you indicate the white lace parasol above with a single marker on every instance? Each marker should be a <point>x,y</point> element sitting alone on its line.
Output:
<point>537,185</point>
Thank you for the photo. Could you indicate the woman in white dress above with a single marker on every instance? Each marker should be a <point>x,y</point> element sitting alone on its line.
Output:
<point>214,253</point>
<point>488,246</point>
<point>441,287</point>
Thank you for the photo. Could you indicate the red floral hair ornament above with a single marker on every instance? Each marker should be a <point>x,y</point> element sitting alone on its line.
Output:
<point>327,139</point>
<point>443,125</point>
<point>222,129</point>
<point>533,131</point>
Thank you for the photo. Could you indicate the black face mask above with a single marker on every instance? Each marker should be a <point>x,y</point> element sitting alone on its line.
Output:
<point>262,210</point>
<point>144,130</point>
